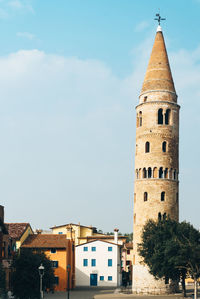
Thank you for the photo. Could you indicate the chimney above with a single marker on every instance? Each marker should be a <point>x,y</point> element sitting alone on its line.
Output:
<point>2,213</point>
<point>116,235</point>
<point>39,231</point>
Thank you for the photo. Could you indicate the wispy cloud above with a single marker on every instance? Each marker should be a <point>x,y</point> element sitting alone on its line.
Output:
<point>66,113</point>
<point>141,26</point>
<point>20,5</point>
<point>16,4</point>
<point>26,35</point>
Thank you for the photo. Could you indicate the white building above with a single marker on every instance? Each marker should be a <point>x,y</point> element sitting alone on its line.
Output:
<point>98,263</point>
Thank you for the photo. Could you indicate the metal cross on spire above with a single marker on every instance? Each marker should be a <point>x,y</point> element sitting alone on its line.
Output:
<point>158,18</point>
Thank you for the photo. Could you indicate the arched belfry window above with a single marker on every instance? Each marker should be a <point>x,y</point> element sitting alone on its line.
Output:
<point>174,175</point>
<point>164,216</point>
<point>147,147</point>
<point>161,173</point>
<point>145,196</point>
<point>162,196</point>
<point>164,147</point>
<point>166,173</point>
<point>149,173</point>
<point>167,117</point>
<point>160,116</point>
<point>140,118</point>
<point>144,173</point>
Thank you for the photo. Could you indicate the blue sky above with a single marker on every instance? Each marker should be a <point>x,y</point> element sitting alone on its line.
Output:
<point>71,73</point>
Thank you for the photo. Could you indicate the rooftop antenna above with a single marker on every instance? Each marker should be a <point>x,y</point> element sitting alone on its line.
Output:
<point>158,18</point>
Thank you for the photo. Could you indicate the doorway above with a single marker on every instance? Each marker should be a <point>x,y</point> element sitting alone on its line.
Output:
<point>93,279</point>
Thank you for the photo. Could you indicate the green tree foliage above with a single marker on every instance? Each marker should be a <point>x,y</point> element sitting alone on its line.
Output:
<point>2,282</point>
<point>26,280</point>
<point>129,237</point>
<point>171,249</point>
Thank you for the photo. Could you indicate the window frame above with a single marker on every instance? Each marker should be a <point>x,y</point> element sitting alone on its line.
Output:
<point>110,262</point>
<point>54,264</point>
<point>56,280</point>
<point>93,262</point>
<point>147,147</point>
<point>85,262</point>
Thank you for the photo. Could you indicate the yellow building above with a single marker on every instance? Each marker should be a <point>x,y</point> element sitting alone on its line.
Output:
<point>78,233</point>
<point>18,232</point>
<point>81,234</point>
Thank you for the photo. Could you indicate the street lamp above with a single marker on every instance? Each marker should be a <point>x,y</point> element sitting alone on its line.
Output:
<point>68,271</point>
<point>41,273</point>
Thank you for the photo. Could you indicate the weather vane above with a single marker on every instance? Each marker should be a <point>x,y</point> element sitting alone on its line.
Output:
<point>158,18</point>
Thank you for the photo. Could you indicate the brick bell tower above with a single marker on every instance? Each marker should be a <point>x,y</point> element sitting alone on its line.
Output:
<point>156,157</point>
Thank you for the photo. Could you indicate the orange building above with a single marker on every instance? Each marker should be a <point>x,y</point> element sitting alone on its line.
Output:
<point>61,253</point>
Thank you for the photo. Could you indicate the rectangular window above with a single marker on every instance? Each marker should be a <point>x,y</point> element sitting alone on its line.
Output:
<point>53,250</point>
<point>60,233</point>
<point>109,262</point>
<point>128,263</point>
<point>128,251</point>
<point>93,248</point>
<point>85,248</point>
<point>85,262</point>
<point>93,263</point>
<point>54,264</point>
<point>109,248</point>
<point>109,278</point>
<point>102,278</point>
<point>56,280</point>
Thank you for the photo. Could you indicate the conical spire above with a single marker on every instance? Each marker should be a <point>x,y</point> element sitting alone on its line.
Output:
<point>158,75</point>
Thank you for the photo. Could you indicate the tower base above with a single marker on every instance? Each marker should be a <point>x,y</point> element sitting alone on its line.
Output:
<point>145,283</point>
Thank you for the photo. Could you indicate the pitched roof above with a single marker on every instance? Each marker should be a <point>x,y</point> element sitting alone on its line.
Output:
<point>129,245</point>
<point>158,75</point>
<point>57,226</point>
<point>103,237</point>
<point>16,230</point>
<point>104,241</point>
<point>46,241</point>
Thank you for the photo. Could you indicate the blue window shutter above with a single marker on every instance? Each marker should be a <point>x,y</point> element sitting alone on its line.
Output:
<point>109,262</point>
<point>85,262</point>
<point>93,263</point>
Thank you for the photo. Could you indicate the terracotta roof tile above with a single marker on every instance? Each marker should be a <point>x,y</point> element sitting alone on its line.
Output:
<point>16,230</point>
<point>129,245</point>
<point>46,241</point>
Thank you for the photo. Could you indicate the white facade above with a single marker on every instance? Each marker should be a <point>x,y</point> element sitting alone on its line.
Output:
<point>98,263</point>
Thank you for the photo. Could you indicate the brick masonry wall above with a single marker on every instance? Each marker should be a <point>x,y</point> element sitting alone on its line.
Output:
<point>148,130</point>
